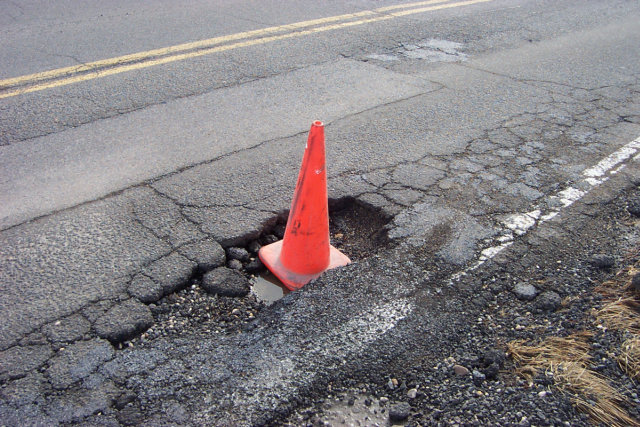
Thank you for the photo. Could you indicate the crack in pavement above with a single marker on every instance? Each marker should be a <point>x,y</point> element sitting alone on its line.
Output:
<point>471,175</point>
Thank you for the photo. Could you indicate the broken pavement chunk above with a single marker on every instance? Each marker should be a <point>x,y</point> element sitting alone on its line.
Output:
<point>124,321</point>
<point>225,282</point>
<point>171,271</point>
<point>145,289</point>
<point>207,253</point>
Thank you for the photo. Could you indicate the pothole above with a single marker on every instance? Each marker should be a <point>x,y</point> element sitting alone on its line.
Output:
<point>356,229</point>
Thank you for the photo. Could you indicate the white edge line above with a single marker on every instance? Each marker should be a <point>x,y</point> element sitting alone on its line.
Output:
<point>519,224</point>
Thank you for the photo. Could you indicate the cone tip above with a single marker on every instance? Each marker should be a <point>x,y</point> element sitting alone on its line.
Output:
<point>318,123</point>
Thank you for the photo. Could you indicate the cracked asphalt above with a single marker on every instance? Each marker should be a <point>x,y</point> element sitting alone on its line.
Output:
<point>479,147</point>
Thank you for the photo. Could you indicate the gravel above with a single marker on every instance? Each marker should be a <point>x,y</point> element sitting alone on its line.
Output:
<point>465,379</point>
<point>474,382</point>
<point>197,312</point>
<point>634,208</point>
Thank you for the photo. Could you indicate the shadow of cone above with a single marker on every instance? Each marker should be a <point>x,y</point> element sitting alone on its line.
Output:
<point>305,253</point>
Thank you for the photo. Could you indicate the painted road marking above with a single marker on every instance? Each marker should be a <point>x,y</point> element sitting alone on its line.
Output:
<point>520,223</point>
<point>277,371</point>
<point>137,61</point>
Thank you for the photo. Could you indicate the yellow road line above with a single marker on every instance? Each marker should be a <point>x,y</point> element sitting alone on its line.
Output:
<point>139,56</point>
<point>146,59</point>
<point>169,50</point>
<point>407,5</point>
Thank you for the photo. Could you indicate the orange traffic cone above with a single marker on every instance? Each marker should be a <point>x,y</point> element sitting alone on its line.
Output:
<point>305,253</point>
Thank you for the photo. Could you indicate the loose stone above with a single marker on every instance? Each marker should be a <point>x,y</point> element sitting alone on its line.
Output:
<point>240,254</point>
<point>254,266</point>
<point>255,246</point>
<point>602,261</point>
<point>478,377</point>
<point>460,370</point>
<point>494,356</point>
<point>171,271</point>
<point>634,208</point>
<point>207,253</point>
<point>635,282</point>
<point>146,289</point>
<point>270,238</point>
<point>491,371</point>
<point>279,231</point>
<point>234,264</point>
<point>548,301</point>
<point>124,321</point>
<point>525,291</point>
<point>399,411</point>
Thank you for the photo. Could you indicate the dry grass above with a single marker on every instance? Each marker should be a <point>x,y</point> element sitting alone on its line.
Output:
<point>566,359</point>
<point>530,360</point>
<point>621,314</point>
<point>629,358</point>
<point>592,393</point>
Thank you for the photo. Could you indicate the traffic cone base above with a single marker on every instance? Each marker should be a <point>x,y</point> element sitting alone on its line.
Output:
<point>304,253</point>
<point>270,256</point>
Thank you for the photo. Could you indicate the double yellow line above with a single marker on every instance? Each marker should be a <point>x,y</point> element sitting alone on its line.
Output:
<point>136,61</point>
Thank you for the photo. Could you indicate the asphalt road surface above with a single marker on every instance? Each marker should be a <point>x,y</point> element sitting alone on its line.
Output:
<point>471,146</point>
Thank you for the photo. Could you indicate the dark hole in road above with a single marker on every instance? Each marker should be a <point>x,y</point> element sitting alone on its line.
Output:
<point>356,229</point>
